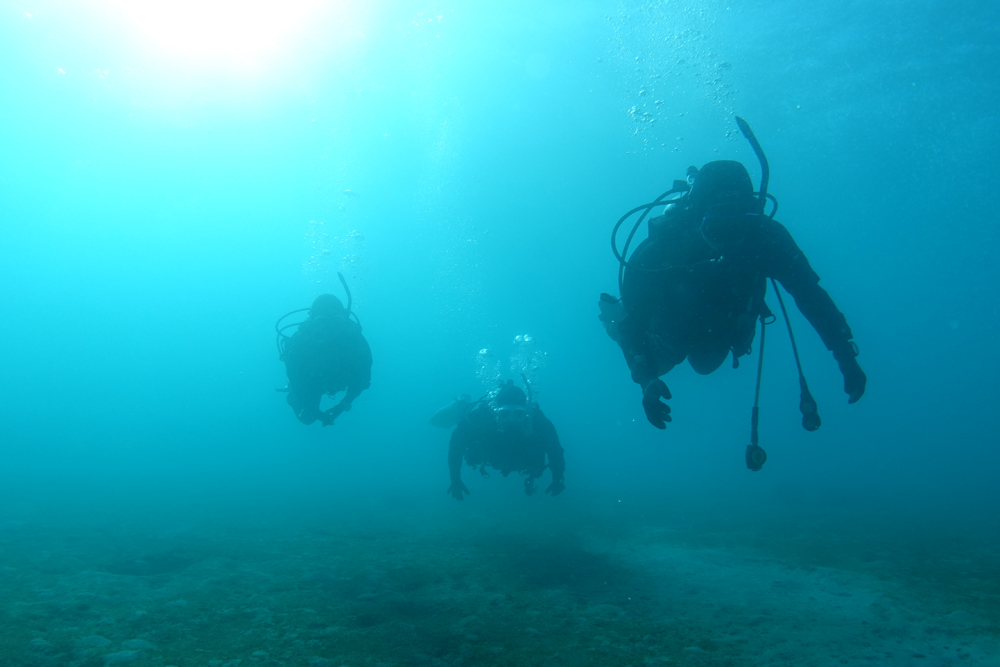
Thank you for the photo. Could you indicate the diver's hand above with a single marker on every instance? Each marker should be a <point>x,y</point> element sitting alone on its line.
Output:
<point>556,487</point>
<point>457,489</point>
<point>855,379</point>
<point>657,412</point>
<point>330,415</point>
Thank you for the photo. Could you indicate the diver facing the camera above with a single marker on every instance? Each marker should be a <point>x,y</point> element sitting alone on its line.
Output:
<point>509,433</point>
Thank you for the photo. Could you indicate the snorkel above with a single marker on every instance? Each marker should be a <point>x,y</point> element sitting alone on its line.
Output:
<point>765,171</point>
<point>347,290</point>
<point>680,188</point>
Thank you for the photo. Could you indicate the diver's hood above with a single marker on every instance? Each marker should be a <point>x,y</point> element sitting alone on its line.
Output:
<point>723,182</point>
<point>326,305</point>
<point>511,395</point>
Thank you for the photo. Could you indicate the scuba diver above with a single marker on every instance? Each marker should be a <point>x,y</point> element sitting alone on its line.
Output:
<point>326,355</point>
<point>695,287</point>
<point>512,436</point>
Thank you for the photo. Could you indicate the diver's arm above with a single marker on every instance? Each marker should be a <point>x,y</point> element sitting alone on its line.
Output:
<point>789,266</point>
<point>361,378</point>
<point>640,296</point>
<point>352,392</point>
<point>633,342</point>
<point>546,431</point>
<point>633,338</point>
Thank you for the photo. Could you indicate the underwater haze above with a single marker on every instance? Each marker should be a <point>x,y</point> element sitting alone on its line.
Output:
<point>175,176</point>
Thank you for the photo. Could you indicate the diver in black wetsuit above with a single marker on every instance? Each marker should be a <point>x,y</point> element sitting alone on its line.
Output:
<point>327,354</point>
<point>695,287</point>
<point>514,437</point>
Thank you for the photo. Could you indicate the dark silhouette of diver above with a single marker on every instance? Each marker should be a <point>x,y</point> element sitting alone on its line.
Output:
<point>694,288</point>
<point>513,436</point>
<point>327,354</point>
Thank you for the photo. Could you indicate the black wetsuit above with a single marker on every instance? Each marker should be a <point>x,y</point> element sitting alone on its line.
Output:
<point>326,355</point>
<point>479,440</point>
<point>706,303</point>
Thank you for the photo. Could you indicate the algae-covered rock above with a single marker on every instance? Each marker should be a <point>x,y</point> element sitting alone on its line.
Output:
<point>93,641</point>
<point>40,646</point>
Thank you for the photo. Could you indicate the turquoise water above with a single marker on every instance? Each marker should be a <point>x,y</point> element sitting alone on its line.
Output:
<point>175,177</point>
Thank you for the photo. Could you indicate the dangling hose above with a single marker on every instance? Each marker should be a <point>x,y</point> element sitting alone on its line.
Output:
<point>280,331</point>
<point>679,187</point>
<point>755,455</point>
<point>807,404</point>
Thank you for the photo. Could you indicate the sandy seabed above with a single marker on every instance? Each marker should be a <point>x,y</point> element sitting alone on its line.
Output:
<point>463,585</point>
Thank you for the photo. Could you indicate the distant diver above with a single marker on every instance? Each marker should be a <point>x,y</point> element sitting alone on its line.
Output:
<point>695,287</point>
<point>508,433</point>
<point>326,355</point>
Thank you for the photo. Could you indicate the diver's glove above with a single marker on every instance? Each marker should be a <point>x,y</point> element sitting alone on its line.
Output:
<point>657,412</point>
<point>855,379</point>
<point>556,487</point>
<point>330,415</point>
<point>457,489</point>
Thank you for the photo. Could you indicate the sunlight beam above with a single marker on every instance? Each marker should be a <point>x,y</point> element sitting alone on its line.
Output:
<point>241,30</point>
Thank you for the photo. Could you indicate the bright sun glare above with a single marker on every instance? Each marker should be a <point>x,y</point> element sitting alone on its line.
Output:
<point>239,29</point>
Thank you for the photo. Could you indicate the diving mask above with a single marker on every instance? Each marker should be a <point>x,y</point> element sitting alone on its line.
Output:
<point>725,227</point>
<point>513,418</point>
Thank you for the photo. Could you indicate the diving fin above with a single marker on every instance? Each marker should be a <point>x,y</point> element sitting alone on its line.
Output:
<point>451,414</point>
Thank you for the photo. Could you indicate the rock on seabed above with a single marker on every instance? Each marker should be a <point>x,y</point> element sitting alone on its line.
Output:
<point>94,641</point>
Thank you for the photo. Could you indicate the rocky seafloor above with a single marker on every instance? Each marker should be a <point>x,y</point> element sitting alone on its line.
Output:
<point>470,587</point>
